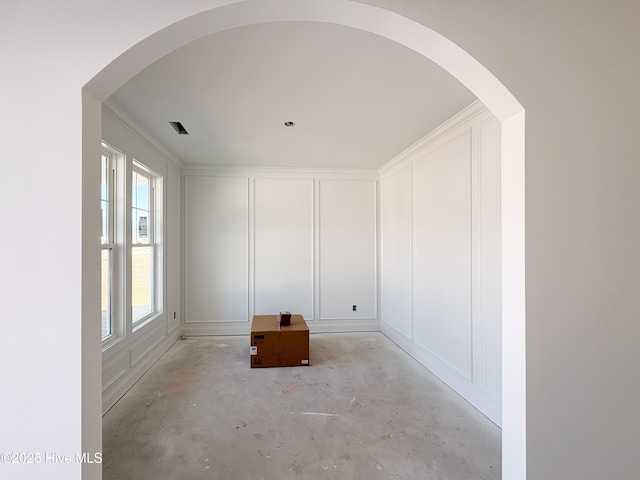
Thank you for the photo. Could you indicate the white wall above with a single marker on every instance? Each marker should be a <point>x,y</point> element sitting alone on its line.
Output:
<point>126,357</point>
<point>265,241</point>
<point>441,263</point>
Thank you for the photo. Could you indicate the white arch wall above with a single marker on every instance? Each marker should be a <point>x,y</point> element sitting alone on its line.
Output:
<point>462,66</point>
<point>52,51</point>
<point>342,12</point>
<point>574,69</point>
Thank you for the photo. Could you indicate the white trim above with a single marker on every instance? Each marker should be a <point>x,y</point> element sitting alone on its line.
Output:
<point>514,355</point>
<point>318,255</point>
<point>117,215</point>
<point>316,248</point>
<point>430,139</point>
<point>120,115</point>
<point>148,319</point>
<point>121,360</point>
<point>164,240</point>
<point>251,245</point>
<point>109,247</point>
<point>475,255</point>
<point>213,321</point>
<point>377,249</point>
<point>282,172</point>
<point>155,230</point>
<point>331,319</point>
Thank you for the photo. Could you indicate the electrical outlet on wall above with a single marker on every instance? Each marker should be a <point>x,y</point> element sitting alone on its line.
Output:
<point>355,307</point>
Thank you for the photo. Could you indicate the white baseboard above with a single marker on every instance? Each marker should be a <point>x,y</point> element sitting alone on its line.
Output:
<point>344,326</point>
<point>219,328</point>
<point>473,393</point>
<point>315,326</point>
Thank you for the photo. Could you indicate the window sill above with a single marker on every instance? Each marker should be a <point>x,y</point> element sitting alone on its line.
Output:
<point>140,324</point>
<point>111,342</point>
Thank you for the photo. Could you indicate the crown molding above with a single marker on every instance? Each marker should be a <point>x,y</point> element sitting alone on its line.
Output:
<point>403,158</point>
<point>115,111</point>
<point>282,172</point>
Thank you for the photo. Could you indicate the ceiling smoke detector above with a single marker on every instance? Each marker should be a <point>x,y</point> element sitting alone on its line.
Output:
<point>289,124</point>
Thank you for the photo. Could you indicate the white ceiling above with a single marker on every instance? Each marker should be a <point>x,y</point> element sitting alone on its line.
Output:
<point>357,99</point>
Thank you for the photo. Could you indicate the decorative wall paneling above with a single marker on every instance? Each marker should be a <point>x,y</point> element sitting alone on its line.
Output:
<point>441,280</point>
<point>260,241</point>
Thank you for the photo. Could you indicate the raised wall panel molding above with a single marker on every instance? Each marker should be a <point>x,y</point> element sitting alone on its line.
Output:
<point>114,368</point>
<point>140,347</point>
<point>283,245</point>
<point>271,192</point>
<point>116,389</point>
<point>475,370</point>
<point>347,248</point>
<point>216,249</point>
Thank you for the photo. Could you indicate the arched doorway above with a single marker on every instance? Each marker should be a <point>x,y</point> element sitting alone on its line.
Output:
<point>439,50</point>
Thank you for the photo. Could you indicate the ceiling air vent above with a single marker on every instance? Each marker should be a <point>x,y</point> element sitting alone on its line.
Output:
<point>178,127</point>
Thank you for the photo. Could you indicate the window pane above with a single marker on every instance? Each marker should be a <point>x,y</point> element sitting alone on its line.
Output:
<point>134,191</point>
<point>106,293</point>
<point>141,226</point>
<point>141,282</point>
<point>140,191</point>
<point>104,184</point>
<point>104,197</point>
<point>104,206</point>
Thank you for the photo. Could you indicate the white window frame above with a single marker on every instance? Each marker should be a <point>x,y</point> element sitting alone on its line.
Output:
<point>108,243</point>
<point>116,234</point>
<point>154,229</point>
<point>120,244</point>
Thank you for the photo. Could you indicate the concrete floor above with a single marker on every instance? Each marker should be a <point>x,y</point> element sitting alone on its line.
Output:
<point>364,409</point>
